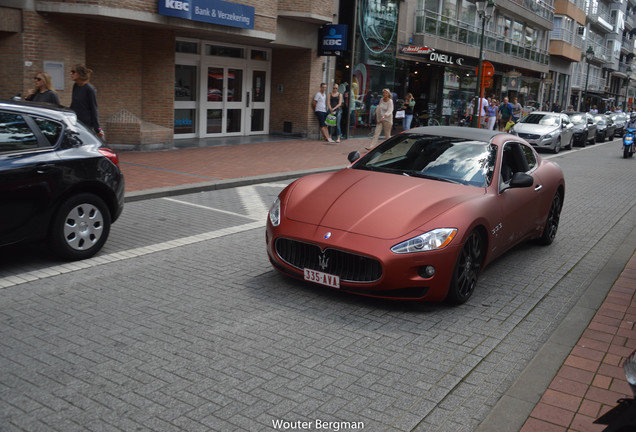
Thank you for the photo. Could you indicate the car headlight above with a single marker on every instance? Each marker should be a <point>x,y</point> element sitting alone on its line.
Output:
<point>432,240</point>
<point>274,212</point>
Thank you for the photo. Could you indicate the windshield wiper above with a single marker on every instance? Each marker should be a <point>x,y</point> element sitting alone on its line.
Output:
<point>432,177</point>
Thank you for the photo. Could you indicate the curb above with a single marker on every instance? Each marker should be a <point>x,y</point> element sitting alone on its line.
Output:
<point>220,184</point>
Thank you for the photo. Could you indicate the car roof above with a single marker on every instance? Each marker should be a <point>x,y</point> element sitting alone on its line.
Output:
<point>457,132</point>
<point>49,110</point>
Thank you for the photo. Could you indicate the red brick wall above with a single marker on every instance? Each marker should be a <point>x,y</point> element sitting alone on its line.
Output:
<point>315,7</point>
<point>50,38</point>
<point>300,73</point>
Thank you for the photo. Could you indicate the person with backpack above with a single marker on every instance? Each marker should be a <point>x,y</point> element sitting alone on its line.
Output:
<point>505,113</point>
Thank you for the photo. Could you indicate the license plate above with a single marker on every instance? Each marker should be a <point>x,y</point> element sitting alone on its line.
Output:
<point>322,278</point>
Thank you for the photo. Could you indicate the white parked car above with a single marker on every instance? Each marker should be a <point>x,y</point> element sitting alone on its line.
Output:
<point>546,130</point>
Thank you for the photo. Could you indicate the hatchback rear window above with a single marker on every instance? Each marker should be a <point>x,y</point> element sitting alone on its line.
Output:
<point>50,129</point>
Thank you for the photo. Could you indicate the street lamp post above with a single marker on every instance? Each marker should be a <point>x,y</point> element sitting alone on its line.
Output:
<point>589,55</point>
<point>485,9</point>
<point>628,71</point>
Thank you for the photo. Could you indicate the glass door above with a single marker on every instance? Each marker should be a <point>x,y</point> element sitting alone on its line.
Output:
<point>258,114</point>
<point>224,104</point>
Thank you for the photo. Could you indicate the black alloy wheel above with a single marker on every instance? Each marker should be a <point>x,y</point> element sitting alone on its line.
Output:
<point>467,269</point>
<point>552,221</point>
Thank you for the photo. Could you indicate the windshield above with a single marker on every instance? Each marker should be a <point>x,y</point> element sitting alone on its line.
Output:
<point>541,119</point>
<point>433,157</point>
<point>578,119</point>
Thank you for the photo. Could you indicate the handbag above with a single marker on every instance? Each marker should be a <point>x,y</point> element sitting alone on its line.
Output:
<point>400,114</point>
<point>330,120</point>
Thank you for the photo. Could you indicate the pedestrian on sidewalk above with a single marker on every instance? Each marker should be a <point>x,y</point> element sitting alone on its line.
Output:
<point>84,99</point>
<point>335,107</point>
<point>384,118</point>
<point>319,105</point>
<point>43,91</point>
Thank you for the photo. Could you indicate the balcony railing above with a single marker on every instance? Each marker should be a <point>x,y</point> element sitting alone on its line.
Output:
<point>594,83</point>
<point>537,7</point>
<point>431,23</point>
<point>567,36</point>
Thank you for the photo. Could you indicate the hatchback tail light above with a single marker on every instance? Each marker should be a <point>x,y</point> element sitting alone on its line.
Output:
<point>110,154</point>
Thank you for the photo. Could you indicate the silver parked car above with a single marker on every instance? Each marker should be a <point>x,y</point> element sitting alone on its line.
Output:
<point>546,130</point>
<point>620,120</point>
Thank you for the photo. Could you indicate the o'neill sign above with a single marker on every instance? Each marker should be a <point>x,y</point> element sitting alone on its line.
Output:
<point>210,11</point>
<point>433,56</point>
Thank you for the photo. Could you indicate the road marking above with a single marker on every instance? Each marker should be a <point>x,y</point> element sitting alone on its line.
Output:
<point>44,273</point>
<point>208,208</point>
<point>252,202</point>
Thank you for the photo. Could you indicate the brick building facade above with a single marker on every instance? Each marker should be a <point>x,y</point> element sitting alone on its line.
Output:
<point>133,51</point>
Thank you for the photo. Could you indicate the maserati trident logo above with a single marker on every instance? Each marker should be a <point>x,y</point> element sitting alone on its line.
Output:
<point>323,261</point>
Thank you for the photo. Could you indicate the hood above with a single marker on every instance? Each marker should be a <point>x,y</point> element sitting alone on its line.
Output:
<point>534,128</point>
<point>371,203</point>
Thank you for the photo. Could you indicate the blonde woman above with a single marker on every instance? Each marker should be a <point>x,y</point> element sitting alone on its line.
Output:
<point>43,91</point>
<point>384,118</point>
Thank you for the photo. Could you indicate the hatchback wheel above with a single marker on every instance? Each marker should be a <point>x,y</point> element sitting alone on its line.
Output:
<point>80,227</point>
<point>467,269</point>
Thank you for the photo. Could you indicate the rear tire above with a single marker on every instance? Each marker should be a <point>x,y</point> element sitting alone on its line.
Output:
<point>80,227</point>
<point>467,269</point>
<point>552,221</point>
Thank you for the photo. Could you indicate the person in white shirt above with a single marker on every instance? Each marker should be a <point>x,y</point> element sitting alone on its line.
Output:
<point>320,109</point>
<point>483,110</point>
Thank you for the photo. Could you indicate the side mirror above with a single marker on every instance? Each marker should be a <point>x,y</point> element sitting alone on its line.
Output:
<point>353,156</point>
<point>521,180</point>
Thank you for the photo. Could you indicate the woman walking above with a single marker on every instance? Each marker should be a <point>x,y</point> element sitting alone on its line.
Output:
<point>43,91</point>
<point>384,118</point>
<point>334,104</point>
<point>409,106</point>
<point>84,100</point>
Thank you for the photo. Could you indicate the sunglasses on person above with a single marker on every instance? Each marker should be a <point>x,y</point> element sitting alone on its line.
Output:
<point>37,79</point>
<point>72,71</point>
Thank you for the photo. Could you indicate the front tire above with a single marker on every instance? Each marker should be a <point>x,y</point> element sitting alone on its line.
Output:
<point>557,146</point>
<point>552,221</point>
<point>466,269</point>
<point>80,227</point>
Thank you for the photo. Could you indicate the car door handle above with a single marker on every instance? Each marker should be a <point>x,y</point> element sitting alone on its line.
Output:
<point>538,188</point>
<point>43,168</point>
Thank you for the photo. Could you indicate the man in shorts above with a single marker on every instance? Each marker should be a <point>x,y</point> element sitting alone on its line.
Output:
<point>320,109</point>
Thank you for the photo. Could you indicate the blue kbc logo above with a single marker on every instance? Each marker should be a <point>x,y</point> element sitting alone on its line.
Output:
<point>178,5</point>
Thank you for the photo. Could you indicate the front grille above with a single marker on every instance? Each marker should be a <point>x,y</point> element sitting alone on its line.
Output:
<point>347,266</point>
<point>528,136</point>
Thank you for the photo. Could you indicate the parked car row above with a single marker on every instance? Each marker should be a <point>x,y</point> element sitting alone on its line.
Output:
<point>553,131</point>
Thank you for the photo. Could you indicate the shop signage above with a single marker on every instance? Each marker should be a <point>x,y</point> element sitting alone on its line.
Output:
<point>434,56</point>
<point>377,24</point>
<point>332,40</point>
<point>210,11</point>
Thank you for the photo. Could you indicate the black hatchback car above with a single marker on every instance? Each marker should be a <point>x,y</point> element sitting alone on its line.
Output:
<point>58,182</point>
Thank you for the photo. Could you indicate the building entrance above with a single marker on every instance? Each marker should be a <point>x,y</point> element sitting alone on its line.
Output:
<point>223,91</point>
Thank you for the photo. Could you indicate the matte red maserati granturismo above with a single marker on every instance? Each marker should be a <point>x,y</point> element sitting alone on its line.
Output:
<point>419,216</point>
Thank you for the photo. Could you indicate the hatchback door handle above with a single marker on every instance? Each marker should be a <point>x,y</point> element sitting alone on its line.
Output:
<point>538,188</point>
<point>43,168</point>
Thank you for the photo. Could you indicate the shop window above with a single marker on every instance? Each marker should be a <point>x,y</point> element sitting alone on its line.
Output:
<point>185,78</point>
<point>224,51</point>
<point>186,47</point>
<point>258,55</point>
<point>184,121</point>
